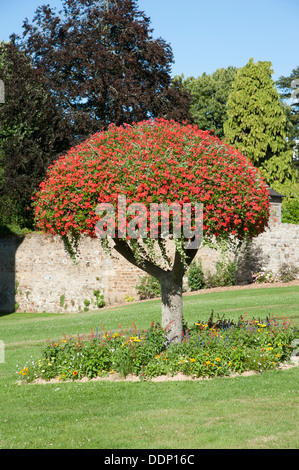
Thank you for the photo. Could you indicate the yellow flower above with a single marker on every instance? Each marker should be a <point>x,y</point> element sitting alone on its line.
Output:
<point>135,339</point>
<point>204,325</point>
<point>192,359</point>
<point>218,359</point>
<point>208,362</point>
<point>24,371</point>
<point>277,355</point>
<point>269,349</point>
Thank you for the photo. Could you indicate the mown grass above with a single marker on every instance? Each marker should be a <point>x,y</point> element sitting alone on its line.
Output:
<point>259,411</point>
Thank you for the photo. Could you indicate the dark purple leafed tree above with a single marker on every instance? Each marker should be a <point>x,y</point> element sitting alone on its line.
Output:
<point>103,65</point>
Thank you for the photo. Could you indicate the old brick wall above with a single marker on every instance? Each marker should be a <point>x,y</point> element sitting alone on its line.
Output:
<point>38,274</point>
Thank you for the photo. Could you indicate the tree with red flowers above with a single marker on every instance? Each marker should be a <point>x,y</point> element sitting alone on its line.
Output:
<point>153,162</point>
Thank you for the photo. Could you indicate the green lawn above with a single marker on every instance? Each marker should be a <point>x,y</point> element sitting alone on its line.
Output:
<point>248,412</point>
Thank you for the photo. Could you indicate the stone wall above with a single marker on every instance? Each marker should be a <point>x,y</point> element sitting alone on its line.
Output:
<point>279,244</point>
<point>37,274</point>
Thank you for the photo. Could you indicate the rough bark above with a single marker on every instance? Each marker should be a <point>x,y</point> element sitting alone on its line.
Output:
<point>172,306</point>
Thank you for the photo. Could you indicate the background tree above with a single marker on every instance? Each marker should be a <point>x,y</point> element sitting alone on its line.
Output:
<point>256,125</point>
<point>153,162</point>
<point>31,134</point>
<point>103,65</point>
<point>209,98</point>
<point>288,88</point>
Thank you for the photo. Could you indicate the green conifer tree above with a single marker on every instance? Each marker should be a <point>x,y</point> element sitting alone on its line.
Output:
<point>256,125</point>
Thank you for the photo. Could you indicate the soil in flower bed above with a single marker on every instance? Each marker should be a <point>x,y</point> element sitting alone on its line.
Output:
<point>116,377</point>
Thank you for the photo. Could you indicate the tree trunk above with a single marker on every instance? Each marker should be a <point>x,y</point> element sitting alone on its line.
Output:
<point>172,306</point>
<point>171,286</point>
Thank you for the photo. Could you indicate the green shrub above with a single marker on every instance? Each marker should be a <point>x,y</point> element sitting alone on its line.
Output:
<point>290,212</point>
<point>148,288</point>
<point>226,274</point>
<point>99,301</point>
<point>196,276</point>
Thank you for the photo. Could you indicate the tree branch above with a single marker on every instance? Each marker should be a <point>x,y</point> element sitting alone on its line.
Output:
<point>122,247</point>
<point>179,267</point>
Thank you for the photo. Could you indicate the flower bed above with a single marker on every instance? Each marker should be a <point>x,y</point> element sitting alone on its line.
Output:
<point>207,349</point>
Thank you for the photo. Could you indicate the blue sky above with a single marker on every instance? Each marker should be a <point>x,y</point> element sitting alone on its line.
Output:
<point>204,35</point>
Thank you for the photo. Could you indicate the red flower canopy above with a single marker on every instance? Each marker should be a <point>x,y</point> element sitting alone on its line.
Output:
<point>155,161</point>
